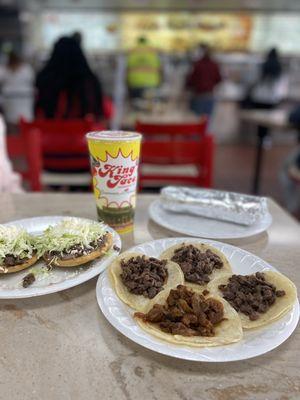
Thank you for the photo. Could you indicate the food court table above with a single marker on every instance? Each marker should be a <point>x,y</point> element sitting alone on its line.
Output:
<point>172,116</point>
<point>60,346</point>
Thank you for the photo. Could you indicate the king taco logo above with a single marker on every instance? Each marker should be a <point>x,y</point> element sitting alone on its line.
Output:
<point>118,175</point>
<point>115,178</point>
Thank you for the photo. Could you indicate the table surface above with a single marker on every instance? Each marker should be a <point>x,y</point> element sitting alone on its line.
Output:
<point>276,119</point>
<point>169,116</point>
<point>60,346</point>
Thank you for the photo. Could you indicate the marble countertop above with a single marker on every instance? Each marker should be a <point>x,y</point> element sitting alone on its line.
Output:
<point>60,346</point>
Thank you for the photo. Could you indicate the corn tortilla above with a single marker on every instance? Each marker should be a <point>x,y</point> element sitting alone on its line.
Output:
<point>139,302</point>
<point>281,306</point>
<point>168,254</point>
<point>226,332</point>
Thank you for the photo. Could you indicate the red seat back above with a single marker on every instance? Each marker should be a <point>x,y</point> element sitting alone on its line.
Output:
<point>28,145</point>
<point>64,145</point>
<point>177,144</point>
<point>108,108</point>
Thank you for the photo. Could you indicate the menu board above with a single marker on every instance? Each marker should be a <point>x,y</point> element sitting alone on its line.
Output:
<point>169,31</point>
<point>182,31</point>
<point>99,30</point>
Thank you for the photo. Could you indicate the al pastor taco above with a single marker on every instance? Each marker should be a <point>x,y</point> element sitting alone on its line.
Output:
<point>183,316</point>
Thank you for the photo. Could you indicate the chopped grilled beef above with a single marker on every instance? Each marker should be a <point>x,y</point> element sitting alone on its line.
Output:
<point>186,313</point>
<point>11,260</point>
<point>144,276</point>
<point>28,280</point>
<point>251,295</point>
<point>195,264</point>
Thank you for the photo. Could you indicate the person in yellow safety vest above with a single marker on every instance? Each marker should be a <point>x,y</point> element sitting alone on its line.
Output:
<point>143,69</point>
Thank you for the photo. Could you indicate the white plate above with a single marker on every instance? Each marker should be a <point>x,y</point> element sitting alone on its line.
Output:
<point>58,278</point>
<point>193,225</point>
<point>253,344</point>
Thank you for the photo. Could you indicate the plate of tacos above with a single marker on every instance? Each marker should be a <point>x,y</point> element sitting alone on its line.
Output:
<point>198,299</point>
<point>44,255</point>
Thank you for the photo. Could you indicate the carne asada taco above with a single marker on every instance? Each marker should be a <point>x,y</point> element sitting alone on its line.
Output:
<point>137,279</point>
<point>17,249</point>
<point>200,263</point>
<point>259,299</point>
<point>183,316</point>
<point>73,242</point>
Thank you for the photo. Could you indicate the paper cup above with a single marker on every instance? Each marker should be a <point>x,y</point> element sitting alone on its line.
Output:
<point>114,157</point>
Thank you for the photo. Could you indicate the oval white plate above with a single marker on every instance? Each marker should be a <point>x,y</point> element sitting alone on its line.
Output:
<point>253,344</point>
<point>58,278</point>
<point>194,225</point>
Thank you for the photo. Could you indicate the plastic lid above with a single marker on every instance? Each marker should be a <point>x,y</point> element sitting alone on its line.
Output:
<point>113,135</point>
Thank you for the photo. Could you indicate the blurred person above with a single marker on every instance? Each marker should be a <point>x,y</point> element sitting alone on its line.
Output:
<point>66,86</point>
<point>271,86</point>
<point>10,182</point>
<point>143,69</point>
<point>78,37</point>
<point>202,79</point>
<point>17,83</point>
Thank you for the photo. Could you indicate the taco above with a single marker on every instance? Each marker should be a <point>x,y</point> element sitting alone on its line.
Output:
<point>183,316</point>
<point>17,249</point>
<point>137,279</point>
<point>74,242</point>
<point>259,299</point>
<point>200,263</point>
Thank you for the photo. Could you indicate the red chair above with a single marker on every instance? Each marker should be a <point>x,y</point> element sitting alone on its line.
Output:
<point>64,146</point>
<point>28,146</point>
<point>177,144</point>
<point>108,108</point>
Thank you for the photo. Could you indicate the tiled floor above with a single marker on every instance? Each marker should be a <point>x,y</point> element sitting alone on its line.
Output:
<point>234,167</point>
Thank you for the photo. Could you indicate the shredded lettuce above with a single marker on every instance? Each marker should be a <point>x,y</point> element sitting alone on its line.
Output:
<point>15,241</point>
<point>70,232</point>
<point>38,271</point>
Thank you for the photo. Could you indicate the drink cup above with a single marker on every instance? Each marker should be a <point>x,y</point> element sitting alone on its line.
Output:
<point>114,157</point>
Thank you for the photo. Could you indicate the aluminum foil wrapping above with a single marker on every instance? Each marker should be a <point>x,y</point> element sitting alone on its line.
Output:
<point>226,206</point>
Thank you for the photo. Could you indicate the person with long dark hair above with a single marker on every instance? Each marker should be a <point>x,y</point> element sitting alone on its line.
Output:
<point>271,68</point>
<point>272,85</point>
<point>66,85</point>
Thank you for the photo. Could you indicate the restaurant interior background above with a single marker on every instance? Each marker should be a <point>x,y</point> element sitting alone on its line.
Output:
<point>239,33</point>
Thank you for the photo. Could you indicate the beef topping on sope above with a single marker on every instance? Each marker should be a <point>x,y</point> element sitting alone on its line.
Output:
<point>78,250</point>
<point>186,313</point>
<point>196,265</point>
<point>144,275</point>
<point>10,260</point>
<point>251,295</point>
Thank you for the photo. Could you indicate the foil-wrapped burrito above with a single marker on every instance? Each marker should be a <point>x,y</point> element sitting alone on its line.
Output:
<point>225,206</point>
